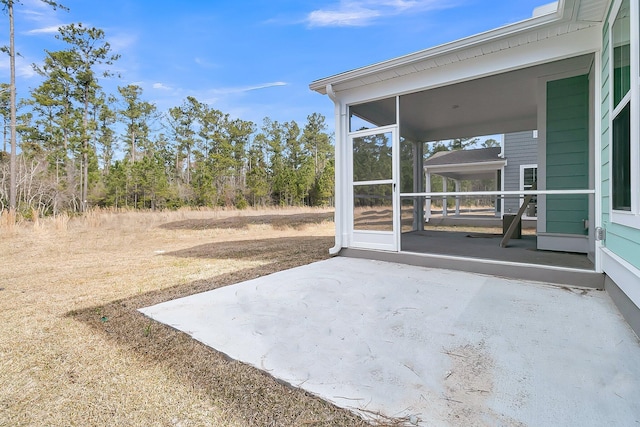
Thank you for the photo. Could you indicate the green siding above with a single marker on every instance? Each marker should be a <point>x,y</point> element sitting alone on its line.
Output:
<point>621,240</point>
<point>567,153</point>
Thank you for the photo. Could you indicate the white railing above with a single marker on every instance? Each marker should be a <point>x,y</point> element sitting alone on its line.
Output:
<point>496,193</point>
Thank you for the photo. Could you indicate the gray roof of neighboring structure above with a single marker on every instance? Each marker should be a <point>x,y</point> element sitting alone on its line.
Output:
<point>478,155</point>
<point>479,163</point>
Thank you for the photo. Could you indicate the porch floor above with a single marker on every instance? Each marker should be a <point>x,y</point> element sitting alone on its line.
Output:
<point>426,346</point>
<point>487,246</point>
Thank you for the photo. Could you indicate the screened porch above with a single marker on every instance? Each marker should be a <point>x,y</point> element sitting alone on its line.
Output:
<point>403,201</point>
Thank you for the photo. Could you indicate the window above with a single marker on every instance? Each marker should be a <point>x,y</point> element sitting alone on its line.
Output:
<point>621,123</point>
<point>624,113</point>
<point>621,160</point>
<point>621,42</point>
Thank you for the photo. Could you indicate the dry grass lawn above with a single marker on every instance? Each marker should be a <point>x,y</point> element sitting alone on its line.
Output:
<point>75,352</point>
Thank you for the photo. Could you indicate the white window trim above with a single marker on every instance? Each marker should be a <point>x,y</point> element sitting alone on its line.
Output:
<point>627,218</point>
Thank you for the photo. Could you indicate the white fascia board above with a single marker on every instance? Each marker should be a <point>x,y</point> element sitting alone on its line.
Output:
<point>565,8</point>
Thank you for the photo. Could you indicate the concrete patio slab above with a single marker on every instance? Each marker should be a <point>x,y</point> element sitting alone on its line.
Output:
<point>433,347</point>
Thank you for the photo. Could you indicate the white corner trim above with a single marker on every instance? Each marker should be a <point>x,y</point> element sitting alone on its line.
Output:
<point>625,275</point>
<point>340,118</point>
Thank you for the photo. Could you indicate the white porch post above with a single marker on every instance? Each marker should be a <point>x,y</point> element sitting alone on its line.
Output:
<point>427,202</point>
<point>418,204</point>
<point>444,198</point>
<point>457,198</point>
<point>341,192</point>
<point>498,203</point>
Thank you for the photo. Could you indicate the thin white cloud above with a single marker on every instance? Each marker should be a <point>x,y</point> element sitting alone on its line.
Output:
<point>243,89</point>
<point>24,68</point>
<point>204,63</point>
<point>121,41</point>
<point>41,14</point>
<point>264,86</point>
<point>26,71</point>
<point>161,86</point>
<point>35,10</point>
<point>353,13</point>
<point>355,16</point>
<point>32,15</point>
<point>45,30</point>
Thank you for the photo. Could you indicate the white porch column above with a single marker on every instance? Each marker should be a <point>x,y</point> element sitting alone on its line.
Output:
<point>444,198</point>
<point>341,172</point>
<point>457,197</point>
<point>499,201</point>
<point>418,177</point>
<point>427,202</point>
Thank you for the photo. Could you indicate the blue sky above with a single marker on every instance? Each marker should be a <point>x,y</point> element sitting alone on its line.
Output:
<point>250,59</point>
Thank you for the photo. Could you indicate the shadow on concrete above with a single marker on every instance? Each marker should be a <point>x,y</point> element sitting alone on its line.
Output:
<point>276,249</point>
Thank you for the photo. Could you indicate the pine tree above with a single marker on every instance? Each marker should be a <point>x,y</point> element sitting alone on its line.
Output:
<point>106,119</point>
<point>258,186</point>
<point>9,5</point>
<point>88,50</point>
<point>56,126</point>
<point>182,121</point>
<point>318,145</point>
<point>136,115</point>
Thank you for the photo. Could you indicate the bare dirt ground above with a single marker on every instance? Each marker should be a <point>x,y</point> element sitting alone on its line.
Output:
<point>75,352</point>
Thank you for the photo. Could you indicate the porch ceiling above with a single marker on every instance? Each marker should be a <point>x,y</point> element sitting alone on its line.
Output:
<point>501,103</point>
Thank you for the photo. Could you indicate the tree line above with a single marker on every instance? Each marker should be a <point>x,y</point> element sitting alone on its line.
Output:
<point>80,147</point>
